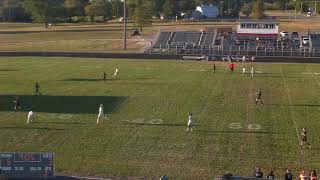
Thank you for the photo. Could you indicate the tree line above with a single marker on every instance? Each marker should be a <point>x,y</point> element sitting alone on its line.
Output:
<point>141,12</point>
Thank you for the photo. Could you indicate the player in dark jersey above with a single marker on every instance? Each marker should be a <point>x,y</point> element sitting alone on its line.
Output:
<point>17,104</point>
<point>214,68</point>
<point>104,76</point>
<point>37,89</point>
<point>304,139</point>
<point>259,97</point>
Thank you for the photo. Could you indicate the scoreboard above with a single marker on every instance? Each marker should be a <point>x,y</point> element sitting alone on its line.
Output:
<point>17,165</point>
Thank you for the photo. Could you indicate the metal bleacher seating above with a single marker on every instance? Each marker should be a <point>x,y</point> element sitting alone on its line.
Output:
<point>185,40</point>
<point>162,39</point>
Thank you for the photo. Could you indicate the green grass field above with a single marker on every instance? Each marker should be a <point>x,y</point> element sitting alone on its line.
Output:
<point>148,107</point>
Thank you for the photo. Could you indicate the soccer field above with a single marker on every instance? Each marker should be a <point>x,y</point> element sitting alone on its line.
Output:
<point>148,107</point>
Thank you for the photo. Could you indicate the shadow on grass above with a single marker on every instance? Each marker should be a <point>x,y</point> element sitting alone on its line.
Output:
<point>28,128</point>
<point>295,105</point>
<point>62,104</point>
<point>239,132</point>
<point>8,70</point>
<point>64,123</point>
<point>82,79</point>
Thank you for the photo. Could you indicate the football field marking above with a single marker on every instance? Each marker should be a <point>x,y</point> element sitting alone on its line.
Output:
<point>249,126</point>
<point>290,107</point>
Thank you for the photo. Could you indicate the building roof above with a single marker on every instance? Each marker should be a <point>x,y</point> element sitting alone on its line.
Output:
<point>315,40</point>
<point>264,20</point>
<point>207,9</point>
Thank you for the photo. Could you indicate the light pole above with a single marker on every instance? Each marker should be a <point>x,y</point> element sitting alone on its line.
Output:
<point>295,10</point>
<point>125,25</point>
<point>221,7</point>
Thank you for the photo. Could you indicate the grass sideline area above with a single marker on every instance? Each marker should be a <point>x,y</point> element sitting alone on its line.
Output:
<point>148,107</point>
<point>102,37</point>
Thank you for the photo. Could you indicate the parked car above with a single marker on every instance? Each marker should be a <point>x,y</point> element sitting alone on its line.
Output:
<point>305,41</point>
<point>295,36</point>
<point>284,33</point>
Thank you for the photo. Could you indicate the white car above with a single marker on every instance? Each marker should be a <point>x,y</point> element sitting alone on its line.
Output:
<point>305,41</point>
<point>284,33</point>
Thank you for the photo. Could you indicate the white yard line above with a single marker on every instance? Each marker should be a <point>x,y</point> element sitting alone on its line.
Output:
<point>291,108</point>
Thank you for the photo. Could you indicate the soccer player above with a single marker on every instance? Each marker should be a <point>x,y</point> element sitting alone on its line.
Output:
<point>101,114</point>
<point>304,138</point>
<point>115,73</point>
<point>30,116</point>
<point>190,123</point>
<point>231,66</point>
<point>259,97</point>
<point>252,71</point>
<point>37,89</point>
<point>104,76</point>
<point>244,70</point>
<point>17,104</point>
<point>214,68</point>
<point>252,58</point>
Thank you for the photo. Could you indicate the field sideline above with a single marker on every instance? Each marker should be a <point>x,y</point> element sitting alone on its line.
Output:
<point>148,107</point>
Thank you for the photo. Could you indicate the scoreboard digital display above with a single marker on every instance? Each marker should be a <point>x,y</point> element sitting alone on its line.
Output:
<point>13,164</point>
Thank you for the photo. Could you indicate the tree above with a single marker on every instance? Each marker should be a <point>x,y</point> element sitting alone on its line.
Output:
<point>142,15</point>
<point>281,4</point>
<point>170,9</point>
<point>247,9</point>
<point>12,10</point>
<point>75,7</point>
<point>258,9</point>
<point>98,8</point>
<point>44,11</point>
<point>186,5</point>
<point>116,8</point>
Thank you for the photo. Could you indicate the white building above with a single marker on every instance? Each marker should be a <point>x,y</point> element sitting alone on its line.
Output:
<point>208,11</point>
<point>266,28</point>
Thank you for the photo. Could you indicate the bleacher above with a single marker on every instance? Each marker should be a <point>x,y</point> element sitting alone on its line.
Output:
<point>162,39</point>
<point>209,39</point>
<point>185,39</point>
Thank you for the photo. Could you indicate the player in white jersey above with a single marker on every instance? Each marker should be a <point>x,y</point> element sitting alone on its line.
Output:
<point>30,116</point>
<point>243,58</point>
<point>101,114</point>
<point>252,71</point>
<point>190,123</point>
<point>244,70</point>
<point>115,73</point>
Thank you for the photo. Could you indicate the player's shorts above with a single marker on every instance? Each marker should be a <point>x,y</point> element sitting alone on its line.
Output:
<point>304,139</point>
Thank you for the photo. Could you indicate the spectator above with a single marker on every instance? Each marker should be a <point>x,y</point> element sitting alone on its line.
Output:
<point>303,175</point>
<point>227,176</point>
<point>258,173</point>
<point>164,177</point>
<point>270,175</point>
<point>313,175</point>
<point>288,175</point>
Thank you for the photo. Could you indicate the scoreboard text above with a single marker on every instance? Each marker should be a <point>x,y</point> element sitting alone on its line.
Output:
<point>26,164</point>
